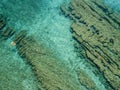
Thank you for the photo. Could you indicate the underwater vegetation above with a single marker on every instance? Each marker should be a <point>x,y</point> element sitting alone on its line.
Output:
<point>59,45</point>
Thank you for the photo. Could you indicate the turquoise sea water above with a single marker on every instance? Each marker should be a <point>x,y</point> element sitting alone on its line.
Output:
<point>45,22</point>
<point>114,4</point>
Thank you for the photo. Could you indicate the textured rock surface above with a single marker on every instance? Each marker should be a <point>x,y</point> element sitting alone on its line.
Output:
<point>52,73</point>
<point>96,28</point>
<point>86,81</point>
<point>2,22</point>
<point>5,32</point>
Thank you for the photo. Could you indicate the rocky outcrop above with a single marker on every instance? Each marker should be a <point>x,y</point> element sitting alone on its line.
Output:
<point>52,73</point>
<point>97,28</point>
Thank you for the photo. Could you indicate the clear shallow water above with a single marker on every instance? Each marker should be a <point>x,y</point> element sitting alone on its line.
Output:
<point>47,25</point>
<point>114,4</point>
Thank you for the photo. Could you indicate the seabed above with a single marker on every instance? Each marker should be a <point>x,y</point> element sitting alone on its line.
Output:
<point>59,45</point>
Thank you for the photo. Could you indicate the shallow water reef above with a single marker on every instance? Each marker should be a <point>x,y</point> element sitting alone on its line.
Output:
<point>14,73</point>
<point>97,29</point>
<point>52,73</point>
<point>93,63</point>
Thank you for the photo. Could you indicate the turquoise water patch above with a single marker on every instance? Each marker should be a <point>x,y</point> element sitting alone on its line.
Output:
<point>19,13</point>
<point>114,4</point>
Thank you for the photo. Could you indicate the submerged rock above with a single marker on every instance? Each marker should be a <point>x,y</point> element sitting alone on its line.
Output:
<point>7,33</point>
<point>14,73</point>
<point>86,81</point>
<point>98,32</point>
<point>2,22</point>
<point>52,73</point>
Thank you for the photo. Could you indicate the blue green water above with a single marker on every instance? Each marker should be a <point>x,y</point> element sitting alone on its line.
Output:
<point>45,22</point>
<point>113,4</point>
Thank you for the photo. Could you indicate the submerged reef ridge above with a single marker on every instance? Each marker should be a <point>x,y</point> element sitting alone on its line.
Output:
<point>97,28</point>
